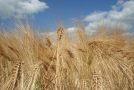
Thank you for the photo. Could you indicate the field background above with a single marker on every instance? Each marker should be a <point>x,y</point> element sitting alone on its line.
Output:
<point>31,60</point>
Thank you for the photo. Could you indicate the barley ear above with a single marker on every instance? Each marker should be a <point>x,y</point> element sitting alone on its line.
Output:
<point>48,42</point>
<point>60,33</point>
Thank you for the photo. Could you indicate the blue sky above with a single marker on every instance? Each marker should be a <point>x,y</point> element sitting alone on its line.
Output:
<point>47,14</point>
<point>64,11</point>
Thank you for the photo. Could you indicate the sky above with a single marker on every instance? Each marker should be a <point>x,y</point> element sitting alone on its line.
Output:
<point>48,14</point>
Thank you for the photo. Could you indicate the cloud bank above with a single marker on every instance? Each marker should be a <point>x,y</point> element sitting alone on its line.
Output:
<point>122,13</point>
<point>20,8</point>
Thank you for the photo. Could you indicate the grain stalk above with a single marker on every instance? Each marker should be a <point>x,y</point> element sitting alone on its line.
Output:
<point>59,37</point>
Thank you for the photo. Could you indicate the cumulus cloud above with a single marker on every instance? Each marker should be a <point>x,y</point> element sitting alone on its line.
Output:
<point>126,14</point>
<point>96,16</point>
<point>20,8</point>
<point>122,13</point>
<point>71,30</point>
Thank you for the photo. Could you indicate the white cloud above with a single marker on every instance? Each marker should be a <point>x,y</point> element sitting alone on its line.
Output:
<point>122,13</point>
<point>129,34</point>
<point>96,16</point>
<point>126,14</point>
<point>20,8</point>
<point>71,30</point>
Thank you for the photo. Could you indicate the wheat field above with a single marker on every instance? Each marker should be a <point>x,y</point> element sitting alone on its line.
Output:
<point>30,60</point>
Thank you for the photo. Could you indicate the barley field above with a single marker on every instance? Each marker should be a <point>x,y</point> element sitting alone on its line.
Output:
<point>31,60</point>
